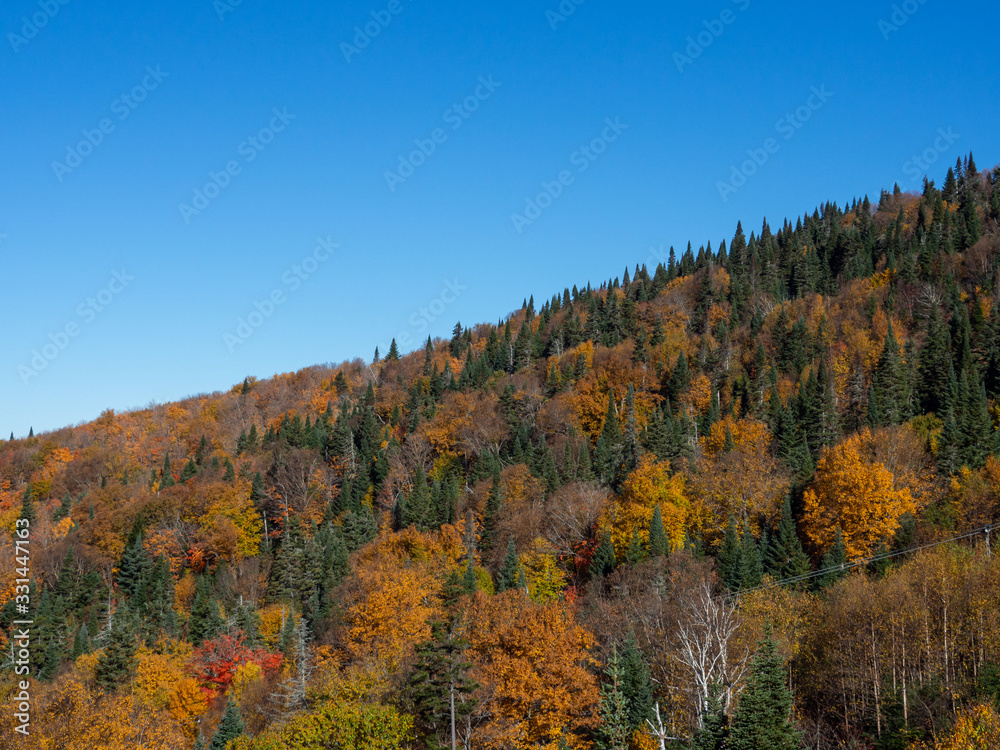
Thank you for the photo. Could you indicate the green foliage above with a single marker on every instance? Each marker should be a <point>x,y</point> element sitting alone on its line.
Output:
<point>229,728</point>
<point>439,687</point>
<point>613,731</point>
<point>763,716</point>
<point>205,621</point>
<point>117,662</point>
<point>714,732</point>
<point>507,576</point>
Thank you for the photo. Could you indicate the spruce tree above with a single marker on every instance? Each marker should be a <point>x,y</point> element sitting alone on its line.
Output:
<point>439,686</point>
<point>117,662</point>
<point>763,716</point>
<point>833,563</point>
<point>658,543</point>
<point>133,567</point>
<point>205,622</point>
<point>229,728</point>
<point>27,508</point>
<point>507,576</point>
<point>604,560</point>
<point>727,561</point>
<point>81,643</point>
<point>417,510</point>
<point>784,555</point>
<point>189,471</point>
<point>613,731</point>
<point>64,508</point>
<point>714,731</point>
<point>636,684</point>
<point>751,569</point>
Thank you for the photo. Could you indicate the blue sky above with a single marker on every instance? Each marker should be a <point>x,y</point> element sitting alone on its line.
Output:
<point>371,182</point>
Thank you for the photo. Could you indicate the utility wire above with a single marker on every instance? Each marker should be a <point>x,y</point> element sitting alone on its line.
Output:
<point>866,561</point>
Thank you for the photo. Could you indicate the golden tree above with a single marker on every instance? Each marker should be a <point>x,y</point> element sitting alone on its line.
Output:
<point>856,495</point>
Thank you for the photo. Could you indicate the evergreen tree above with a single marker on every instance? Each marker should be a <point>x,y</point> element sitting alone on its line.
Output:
<point>604,560</point>
<point>417,510</point>
<point>117,662</point>
<point>27,508</point>
<point>393,354</point>
<point>64,508</point>
<point>763,716</point>
<point>658,542</point>
<point>189,471</point>
<point>613,731</point>
<point>205,622</point>
<point>229,728</point>
<point>727,560</point>
<point>81,643</point>
<point>133,567</point>
<point>714,731</point>
<point>636,684</point>
<point>439,687</point>
<point>166,476</point>
<point>751,569</point>
<point>833,563</point>
<point>784,555</point>
<point>891,383</point>
<point>507,575</point>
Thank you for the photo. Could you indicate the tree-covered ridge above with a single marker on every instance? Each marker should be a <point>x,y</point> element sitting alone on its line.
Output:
<point>562,530</point>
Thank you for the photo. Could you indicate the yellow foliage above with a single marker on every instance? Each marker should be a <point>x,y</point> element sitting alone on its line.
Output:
<point>187,703</point>
<point>272,619</point>
<point>233,522</point>
<point>157,674</point>
<point>545,579</point>
<point>86,665</point>
<point>389,609</point>
<point>746,482</point>
<point>68,716</point>
<point>532,662</point>
<point>977,728</point>
<point>184,593</point>
<point>61,529</point>
<point>855,495</point>
<point>246,674</point>
<point>650,485</point>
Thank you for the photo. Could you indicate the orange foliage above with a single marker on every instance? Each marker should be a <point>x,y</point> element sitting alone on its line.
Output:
<point>532,661</point>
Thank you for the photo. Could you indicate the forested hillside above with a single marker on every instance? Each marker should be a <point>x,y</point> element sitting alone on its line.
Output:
<point>659,512</point>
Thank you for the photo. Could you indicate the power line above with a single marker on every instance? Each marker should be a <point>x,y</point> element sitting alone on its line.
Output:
<point>868,560</point>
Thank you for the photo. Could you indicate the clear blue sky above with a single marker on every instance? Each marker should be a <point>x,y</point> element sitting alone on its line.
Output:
<point>216,82</point>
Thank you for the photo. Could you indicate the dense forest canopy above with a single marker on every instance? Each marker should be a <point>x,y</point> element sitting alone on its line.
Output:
<point>739,500</point>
